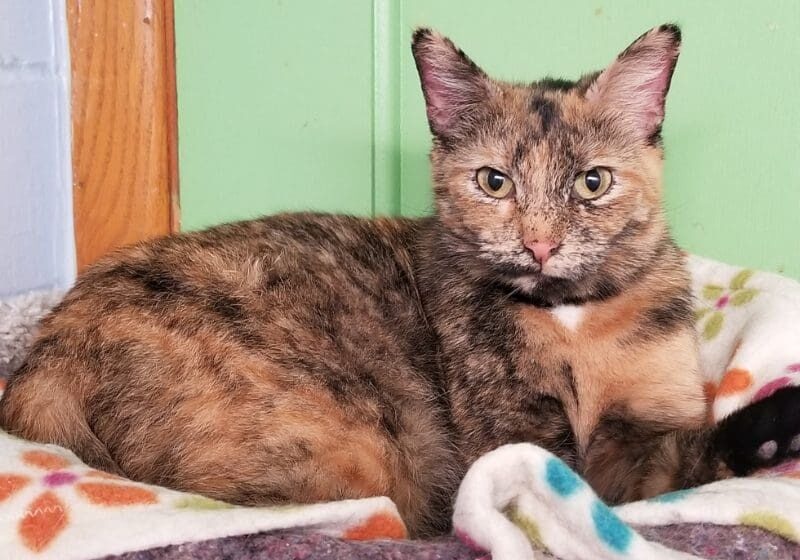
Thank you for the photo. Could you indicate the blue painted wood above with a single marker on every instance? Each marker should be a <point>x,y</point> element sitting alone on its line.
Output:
<point>37,249</point>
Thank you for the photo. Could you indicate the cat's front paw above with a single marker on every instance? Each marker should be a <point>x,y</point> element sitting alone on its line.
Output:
<point>762,434</point>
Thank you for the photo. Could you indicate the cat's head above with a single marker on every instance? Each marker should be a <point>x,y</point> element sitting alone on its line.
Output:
<point>554,187</point>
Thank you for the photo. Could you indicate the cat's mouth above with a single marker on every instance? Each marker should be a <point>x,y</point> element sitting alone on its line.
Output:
<point>513,271</point>
<point>531,272</point>
<point>529,279</point>
<point>545,284</point>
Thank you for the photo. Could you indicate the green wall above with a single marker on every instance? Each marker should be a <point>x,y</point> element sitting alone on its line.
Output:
<point>301,104</point>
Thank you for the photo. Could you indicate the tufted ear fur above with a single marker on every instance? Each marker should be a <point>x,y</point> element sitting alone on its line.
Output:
<point>453,85</point>
<point>634,87</point>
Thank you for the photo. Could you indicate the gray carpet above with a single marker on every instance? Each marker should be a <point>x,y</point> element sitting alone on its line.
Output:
<point>18,318</point>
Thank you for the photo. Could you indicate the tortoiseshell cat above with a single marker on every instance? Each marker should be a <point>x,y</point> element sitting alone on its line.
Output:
<point>309,357</point>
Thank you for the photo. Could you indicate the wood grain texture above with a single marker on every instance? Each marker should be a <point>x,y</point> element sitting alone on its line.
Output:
<point>125,182</point>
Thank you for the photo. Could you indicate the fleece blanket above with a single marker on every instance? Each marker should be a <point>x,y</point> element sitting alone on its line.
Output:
<point>514,503</point>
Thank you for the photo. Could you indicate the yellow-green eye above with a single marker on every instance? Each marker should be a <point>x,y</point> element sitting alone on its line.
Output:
<point>593,183</point>
<point>494,183</point>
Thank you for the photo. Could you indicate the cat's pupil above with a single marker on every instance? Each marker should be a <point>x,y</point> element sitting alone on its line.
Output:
<point>592,180</point>
<point>495,179</point>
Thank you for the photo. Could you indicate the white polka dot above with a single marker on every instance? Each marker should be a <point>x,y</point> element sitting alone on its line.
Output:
<point>767,450</point>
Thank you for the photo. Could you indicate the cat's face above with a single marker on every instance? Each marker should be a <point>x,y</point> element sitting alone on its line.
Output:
<point>554,187</point>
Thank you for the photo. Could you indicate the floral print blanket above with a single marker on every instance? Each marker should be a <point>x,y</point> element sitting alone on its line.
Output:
<point>52,506</point>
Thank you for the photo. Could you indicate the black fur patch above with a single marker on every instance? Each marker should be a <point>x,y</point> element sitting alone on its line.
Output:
<point>559,291</point>
<point>227,307</point>
<point>47,344</point>
<point>676,312</point>
<point>549,411</point>
<point>490,328</point>
<point>655,138</point>
<point>616,425</point>
<point>556,84</point>
<point>390,421</point>
<point>773,419</point>
<point>566,371</point>
<point>420,34</point>
<point>673,29</point>
<point>548,111</point>
<point>605,288</point>
<point>159,281</point>
<point>520,153</point>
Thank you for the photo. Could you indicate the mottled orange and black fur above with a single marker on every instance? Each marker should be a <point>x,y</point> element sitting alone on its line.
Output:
<point>300,358</point>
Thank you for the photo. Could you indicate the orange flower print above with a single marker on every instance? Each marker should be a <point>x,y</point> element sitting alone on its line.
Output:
<point>104,494</point>
<point>10,483</point>
<point>734,381</point>
<point>44,460</point>
<point>48,515</point>
<point>379,526</point>
<point>43,521</point>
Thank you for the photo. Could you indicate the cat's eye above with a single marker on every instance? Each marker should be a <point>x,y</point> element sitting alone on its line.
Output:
<point>593,183</point>
<point>494,183</point>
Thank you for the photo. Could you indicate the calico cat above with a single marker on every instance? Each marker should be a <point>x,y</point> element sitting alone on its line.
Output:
<point>307,357</point>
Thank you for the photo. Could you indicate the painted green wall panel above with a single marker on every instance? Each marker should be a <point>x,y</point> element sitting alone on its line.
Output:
<point>274,107</point>
<point>316,104</point>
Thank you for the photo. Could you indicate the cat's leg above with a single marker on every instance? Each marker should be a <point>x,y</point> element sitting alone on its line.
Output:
<point>258,448</point>
<point>628,460</point>
<point>762,434</point>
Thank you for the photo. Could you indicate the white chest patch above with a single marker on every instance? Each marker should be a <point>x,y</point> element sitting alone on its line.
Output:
<point>568,315</point>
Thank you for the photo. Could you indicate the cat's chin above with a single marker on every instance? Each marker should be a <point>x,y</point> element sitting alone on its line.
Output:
<point>549,290</point>
<point>532,280</point>
<point>526,283</point>
<point>535,282</point>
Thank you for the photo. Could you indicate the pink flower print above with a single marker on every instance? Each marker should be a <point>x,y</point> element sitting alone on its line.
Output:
<point>59,478</point>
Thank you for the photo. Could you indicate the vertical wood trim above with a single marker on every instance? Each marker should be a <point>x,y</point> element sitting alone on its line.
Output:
<point>170,71</point>
<point>124,153</point>
<point>386,169</point>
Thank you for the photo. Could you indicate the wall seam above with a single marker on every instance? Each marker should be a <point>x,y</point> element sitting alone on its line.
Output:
<point>61,71</point>
<point>385,108</point>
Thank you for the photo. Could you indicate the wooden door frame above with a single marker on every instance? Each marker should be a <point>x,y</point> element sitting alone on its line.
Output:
<point>124,123</point>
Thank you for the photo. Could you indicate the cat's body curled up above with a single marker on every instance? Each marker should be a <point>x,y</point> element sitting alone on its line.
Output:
<point>310,357</point>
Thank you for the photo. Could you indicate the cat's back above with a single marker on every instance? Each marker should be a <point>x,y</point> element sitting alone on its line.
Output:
<point>237,277</point>
<point>264,254</point>
<point>248,285</point>
<point>182,361</point>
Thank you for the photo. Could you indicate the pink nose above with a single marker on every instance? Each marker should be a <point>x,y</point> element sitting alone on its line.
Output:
<point>542,250</point>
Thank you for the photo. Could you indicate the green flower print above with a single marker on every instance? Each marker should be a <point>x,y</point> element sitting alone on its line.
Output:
<point>719,298</point>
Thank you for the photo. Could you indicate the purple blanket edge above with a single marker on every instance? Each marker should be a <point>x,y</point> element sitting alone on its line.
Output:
<point>703,540</point>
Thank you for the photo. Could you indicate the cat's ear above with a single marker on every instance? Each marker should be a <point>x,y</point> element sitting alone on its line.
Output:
<point>634,87</point>
<point>454,87</point>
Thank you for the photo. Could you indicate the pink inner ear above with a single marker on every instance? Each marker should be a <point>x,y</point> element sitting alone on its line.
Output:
<point>654,91</point>
<point>635,86</point>
<point>451,86</point>
<point>440,98</point>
